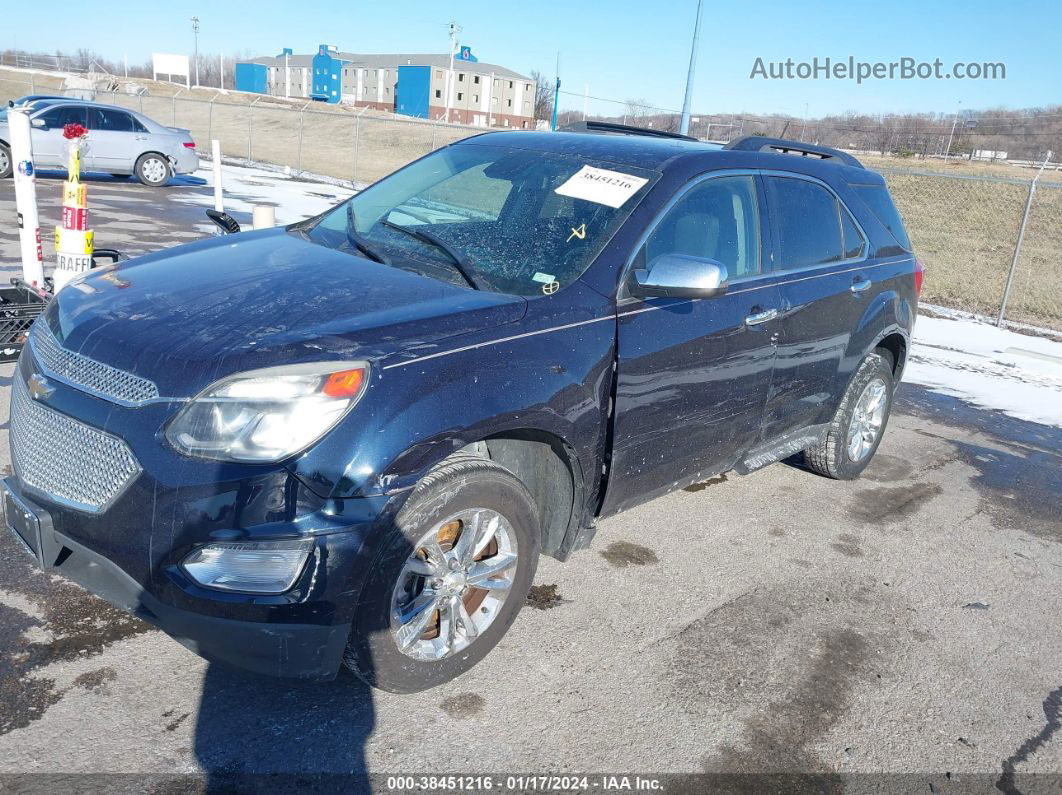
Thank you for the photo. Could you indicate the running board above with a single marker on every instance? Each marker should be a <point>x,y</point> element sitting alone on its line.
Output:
<point>782,447</point>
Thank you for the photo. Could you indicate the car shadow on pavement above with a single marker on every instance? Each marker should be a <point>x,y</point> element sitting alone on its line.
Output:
<point>255,733</point>
<point>178,180</point>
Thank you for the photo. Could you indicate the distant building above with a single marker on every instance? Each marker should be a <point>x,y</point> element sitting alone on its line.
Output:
<point>482,94</point>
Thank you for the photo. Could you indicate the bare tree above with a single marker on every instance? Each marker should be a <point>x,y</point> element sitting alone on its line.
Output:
<point>543,96</point>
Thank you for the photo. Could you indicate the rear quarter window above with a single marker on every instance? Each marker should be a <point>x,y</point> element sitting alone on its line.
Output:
<point>877,198</point>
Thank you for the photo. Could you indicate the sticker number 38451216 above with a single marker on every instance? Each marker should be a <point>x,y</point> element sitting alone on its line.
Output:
<point>601,186</point>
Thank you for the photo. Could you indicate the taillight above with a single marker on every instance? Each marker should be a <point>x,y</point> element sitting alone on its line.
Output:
<point>920,272</point>
<point>189,144</point>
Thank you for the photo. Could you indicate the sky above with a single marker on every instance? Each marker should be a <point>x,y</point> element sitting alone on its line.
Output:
<point>615,49</point>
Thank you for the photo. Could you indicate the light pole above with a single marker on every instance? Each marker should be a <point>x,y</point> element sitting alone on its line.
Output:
<point>684,124</point>
<point>952,133</point>
<point>195,33</point>
<point>454,30</point>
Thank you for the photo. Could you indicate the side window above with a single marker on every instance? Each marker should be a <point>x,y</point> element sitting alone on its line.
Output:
<point>110,120</point>
<point>64,115</point>
<point>855,245</point>
<point>718,219</point>
<point>809,224</point>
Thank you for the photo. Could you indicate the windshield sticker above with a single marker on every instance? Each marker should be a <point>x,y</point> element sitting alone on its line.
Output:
<point>551,288</point>
<point>545,278</point>
<point>577,231</point>
<point>601,186</point>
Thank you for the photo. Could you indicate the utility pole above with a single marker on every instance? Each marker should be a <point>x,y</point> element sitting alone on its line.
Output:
<point>952,134</point>
<point>195,33</point>
<point>454,30</point>
<point>804,126</point>
<point>556,93</point>
<point>684,124</point>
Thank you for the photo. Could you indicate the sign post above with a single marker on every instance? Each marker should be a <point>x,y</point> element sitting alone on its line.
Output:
<point>73,239</point>
<point>29,226</point>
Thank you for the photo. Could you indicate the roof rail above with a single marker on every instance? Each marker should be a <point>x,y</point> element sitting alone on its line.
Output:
<point>621,129</point>
<point>759,143</point>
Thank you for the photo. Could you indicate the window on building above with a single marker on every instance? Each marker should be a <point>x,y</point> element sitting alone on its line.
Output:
<point>460,96</point>
<point>510,84</point>
<point>475,98</point>
<point>506,122</point>
<point>438,73</point>
<point>510,102</point>
<point>438,94</point>
<point>475,79</point>
<point>460,77</point>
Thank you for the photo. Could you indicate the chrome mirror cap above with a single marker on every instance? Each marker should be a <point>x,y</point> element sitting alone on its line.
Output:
<point>681,276</point>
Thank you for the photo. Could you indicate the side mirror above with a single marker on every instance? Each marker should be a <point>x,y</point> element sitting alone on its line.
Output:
<point>225,222</point>
<point>39,124</point>
<point>681,276</point>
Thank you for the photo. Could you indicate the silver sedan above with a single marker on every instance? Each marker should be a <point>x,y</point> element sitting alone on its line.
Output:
<point>120,141</point>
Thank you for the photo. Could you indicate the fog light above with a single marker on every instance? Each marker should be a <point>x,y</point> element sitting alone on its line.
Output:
<point>265,567</point>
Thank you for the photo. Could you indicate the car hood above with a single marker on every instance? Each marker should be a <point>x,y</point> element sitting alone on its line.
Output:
<point>187,316</point>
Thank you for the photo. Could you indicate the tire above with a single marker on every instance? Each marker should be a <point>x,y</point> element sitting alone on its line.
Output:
<point>6,166</point>
<point>833,457</point>
<point>153,170</point>
<point>469,488</point>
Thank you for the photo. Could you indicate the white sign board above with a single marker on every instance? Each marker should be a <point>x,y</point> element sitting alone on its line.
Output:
<point>611,188</point>
<point>163,63</point>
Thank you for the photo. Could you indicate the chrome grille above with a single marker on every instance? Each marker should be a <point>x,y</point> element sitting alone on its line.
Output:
<point>73,463</point>
<point>87,373</point>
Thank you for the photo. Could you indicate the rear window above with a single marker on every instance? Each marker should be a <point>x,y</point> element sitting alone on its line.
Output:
<point>877,198</point>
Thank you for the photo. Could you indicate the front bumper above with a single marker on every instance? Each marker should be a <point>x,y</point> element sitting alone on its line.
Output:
<point>271,647</point>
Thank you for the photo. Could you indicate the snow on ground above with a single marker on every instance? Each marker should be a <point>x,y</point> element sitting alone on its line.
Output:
<point>293,197</point>
<point>989,367</point>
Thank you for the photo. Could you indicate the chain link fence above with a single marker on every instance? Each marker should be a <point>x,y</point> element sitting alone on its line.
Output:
<point>964,227</point>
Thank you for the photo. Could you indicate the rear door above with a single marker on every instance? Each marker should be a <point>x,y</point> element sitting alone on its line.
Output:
<point>114,138</point>
<point>821,257</point>
<point>693,374</point>
<point>49,145</point>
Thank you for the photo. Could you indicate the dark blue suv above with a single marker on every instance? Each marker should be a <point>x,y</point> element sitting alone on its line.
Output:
<point>349,440</point>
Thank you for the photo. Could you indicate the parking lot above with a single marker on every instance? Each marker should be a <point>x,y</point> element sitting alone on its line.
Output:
<point>902,624</point>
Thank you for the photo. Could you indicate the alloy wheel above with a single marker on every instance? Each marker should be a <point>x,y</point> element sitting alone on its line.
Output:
<point>154,170</point>
<point>452,586</point>
<point>867,419</point>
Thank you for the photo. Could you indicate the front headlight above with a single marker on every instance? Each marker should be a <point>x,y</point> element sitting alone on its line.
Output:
<point>265,415</point>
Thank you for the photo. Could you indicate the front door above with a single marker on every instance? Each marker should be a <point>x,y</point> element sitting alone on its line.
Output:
<point>693,375</point>
<point>49,145</point>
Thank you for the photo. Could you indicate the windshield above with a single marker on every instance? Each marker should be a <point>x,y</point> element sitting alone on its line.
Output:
<point>495,218</point>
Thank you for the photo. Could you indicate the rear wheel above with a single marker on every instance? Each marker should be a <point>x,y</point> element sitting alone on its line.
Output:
<point>858,424</point>
<point>449,578</point>
<point>5,162</point>
<point>152,170</point>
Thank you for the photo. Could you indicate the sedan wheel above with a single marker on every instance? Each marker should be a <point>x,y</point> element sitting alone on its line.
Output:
<point>152,170</point>
<point>5,162</point>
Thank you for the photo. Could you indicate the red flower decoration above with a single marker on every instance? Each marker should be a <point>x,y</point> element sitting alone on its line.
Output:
<point>72,131</point>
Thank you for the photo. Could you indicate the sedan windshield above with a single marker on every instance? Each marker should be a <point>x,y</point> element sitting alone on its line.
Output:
<point>495,218</point>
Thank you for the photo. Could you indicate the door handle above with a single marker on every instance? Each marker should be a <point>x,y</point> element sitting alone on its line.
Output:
<point>761,317</point>
<point>859,284</point>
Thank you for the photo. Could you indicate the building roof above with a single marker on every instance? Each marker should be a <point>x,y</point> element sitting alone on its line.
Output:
<point>391,60</point>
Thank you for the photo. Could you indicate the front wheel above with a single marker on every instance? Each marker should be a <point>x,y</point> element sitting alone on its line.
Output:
<point>6,169</point>
<point>449,578</point>
<point>858,424</point>
<point>152,170</point>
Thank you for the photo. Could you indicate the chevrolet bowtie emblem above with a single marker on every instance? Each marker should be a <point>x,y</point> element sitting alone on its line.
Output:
<point>39,388</point>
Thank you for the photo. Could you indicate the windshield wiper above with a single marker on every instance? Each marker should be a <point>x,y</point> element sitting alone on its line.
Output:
<point>460,261</point>
<point>360,243</point>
